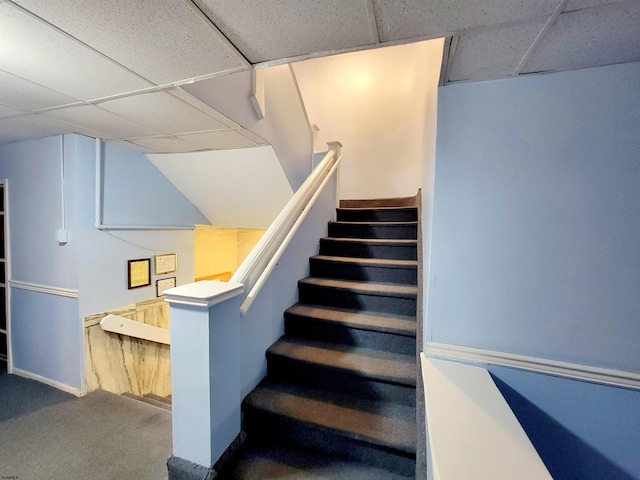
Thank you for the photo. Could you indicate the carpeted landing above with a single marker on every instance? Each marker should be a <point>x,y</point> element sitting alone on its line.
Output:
<point>339,399</point>
<point>100,436</point>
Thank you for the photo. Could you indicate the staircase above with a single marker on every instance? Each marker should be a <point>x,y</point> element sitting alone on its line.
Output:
<point>339,398</point>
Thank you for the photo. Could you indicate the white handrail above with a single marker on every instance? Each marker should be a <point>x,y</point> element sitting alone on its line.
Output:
<point>283,246</point>
<point>258,260</point>
<point>131,328</point>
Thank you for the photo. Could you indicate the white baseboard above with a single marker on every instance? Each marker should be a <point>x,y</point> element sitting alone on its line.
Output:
<point>575,371</point>
<point>52,383</point>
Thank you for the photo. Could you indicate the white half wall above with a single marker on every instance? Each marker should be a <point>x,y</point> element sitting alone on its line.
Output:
<point>380,104</point>
<point>235,188</point>
<point>472,431</point>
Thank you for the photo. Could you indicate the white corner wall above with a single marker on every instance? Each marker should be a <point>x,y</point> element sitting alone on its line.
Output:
<point>245,187</point>
<point>380,104</point>
<point>285,125</point>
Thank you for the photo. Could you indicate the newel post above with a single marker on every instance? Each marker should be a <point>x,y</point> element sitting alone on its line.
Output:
<point>205,372</point>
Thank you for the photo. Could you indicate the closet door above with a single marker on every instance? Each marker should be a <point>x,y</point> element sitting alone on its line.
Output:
<point>3,277</point>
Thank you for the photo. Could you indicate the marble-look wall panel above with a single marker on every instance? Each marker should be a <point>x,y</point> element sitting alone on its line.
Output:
<point>122,364</point>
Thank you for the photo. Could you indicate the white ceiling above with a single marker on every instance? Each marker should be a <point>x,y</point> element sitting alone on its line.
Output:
<point>113,68</point>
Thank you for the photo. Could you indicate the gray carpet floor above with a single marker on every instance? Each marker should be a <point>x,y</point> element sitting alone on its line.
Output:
<point>53,435</point>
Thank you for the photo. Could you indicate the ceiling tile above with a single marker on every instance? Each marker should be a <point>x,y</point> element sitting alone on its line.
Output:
<point>162,40</point>
<point>492,53</point>
<point>101,121</point>
<point>129,145</point>
<point>251,136</point>
<point>166,144</point>
<point>200,105</point>
<point>163,112</point>
<point>416,18</point>
<point>9,112</point>
<point>572,5</point>
<point>269,30</point>
<point>20,93</point>
<point>590,37</point>
<point>218,140</point>
<point>39,53</point>
<point>39,124</point>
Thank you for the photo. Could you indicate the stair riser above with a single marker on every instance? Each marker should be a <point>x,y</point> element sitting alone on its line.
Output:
<point>324,331</point>
<point>399,215</point>
<point>319,377</point>
<point>365,273</point>
<point>363,250</point>
<point>359,301</point>
<point>396,232</point>
<point>267,427</point>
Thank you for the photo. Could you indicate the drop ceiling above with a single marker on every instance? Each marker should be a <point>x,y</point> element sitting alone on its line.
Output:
<point>113,69</point>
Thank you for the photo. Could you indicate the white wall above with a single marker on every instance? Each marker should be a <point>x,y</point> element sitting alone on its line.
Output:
<point>285,125</point>
<point>380,105</point>
<point>234,188</point>
<point>536,225</point>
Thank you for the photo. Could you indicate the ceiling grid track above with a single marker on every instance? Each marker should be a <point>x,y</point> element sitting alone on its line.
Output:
<point>373,22</point>
<point>447,58</point>
<point>539,37</point>
<point>214,28</point>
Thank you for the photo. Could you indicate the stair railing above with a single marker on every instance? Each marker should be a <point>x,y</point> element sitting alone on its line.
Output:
<point>259,264</point>
<point>213,356</point>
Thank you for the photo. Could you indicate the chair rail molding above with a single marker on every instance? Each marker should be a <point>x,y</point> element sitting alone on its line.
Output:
<point>589,373</point>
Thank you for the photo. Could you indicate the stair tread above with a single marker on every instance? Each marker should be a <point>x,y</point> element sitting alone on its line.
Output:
<point>388,367</point>
<point>378,262</point>
<point>375,241</point>
<point>158,398</point>
<point>382,289</point>
<point>376,223</point>
<point>399,324</point>
<point>378,202</point>
<point>274,461</point>
<point>388,208</point>
<point>382,423</point>
<point>149,400</point>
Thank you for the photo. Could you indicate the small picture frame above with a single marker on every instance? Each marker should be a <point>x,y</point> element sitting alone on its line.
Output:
<point>139,273</point>
<point>166,263</point>
<point>164,284</point>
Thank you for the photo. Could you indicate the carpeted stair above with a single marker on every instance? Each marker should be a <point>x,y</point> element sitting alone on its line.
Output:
<point>339,398</point>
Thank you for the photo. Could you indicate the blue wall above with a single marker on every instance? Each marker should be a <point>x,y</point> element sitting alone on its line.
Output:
<point>46,328</point>
<point>582,431</point>
<point>33,171</point>
<point>102,256</point>
<point>45,333</point>
<point>536,223</point>
<point>137,193</point>
<point>46,336</point>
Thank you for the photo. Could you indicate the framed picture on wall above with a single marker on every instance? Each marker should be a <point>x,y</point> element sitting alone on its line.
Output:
<point>166,263</point>
<point>164,284</point>
<point>139,273</point>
